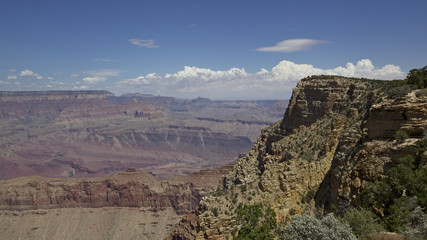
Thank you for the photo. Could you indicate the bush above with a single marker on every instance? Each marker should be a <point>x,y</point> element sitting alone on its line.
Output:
<point>399,91</point>
<point>257,222</point>
<point>401,136</point>
<point>364,224</point>
<point>215,211</point>
<point>403,190</point>
<point>308,228</point>
<point>417,77</point>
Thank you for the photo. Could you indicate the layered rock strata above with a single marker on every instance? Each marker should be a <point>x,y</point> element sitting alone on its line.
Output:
<point>93,133</point>
<point>330,143</point>
<point>130,188</point>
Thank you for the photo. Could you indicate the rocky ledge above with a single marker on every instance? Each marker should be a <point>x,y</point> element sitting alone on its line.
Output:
<point>129,188</point>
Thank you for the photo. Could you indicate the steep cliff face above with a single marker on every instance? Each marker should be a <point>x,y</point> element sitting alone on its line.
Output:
<point>330,142</point>
<point>127,205</point>
<point>377,149</point>
<point>315,97</point>
<point>130,188</point>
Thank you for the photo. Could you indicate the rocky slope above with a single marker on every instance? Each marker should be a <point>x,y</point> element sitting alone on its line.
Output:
<point>93,133</point>
<point>337,134</point>
<point>129,188</point>
<point>131,205</point>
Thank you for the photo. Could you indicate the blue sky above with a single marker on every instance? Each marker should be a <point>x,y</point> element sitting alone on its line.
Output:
<point>216,49</point>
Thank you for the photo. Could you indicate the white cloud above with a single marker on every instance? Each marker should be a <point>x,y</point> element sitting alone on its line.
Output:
<point>80,87</point>
<point>12,70</point>
<point>30,74</point>
<point>74,75</point>
<point>96,76</point>
<point>149,43</point>
<point>292,45</point>
<point>192,82</point>
<point>94,80</point>
<point>10,77</point>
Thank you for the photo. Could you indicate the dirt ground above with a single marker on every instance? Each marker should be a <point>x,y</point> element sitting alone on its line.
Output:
<point>87,223</point>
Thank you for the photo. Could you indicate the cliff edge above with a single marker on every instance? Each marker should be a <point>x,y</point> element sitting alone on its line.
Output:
<point>336,136</point>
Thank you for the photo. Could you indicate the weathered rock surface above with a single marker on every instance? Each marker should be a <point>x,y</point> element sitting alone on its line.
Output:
<point>130,188</point>
<point>408,114</point>
<point>331,141</point>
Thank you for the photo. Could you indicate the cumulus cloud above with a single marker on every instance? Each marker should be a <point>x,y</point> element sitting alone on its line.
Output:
<point>30,74</point>
<point>278,82</point>
<point>149,43</point>
<point>96,76</point>
<point>94,80</point>
<point>10,77</point>
<point>292,45</point>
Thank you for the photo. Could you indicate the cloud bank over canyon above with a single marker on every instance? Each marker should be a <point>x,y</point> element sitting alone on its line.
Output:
<point>192,82</point>
<point>237,83</point>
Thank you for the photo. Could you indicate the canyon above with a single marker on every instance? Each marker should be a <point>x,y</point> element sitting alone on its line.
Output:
<point>138,162</point>
<point>337,136</point>
<point>94,133</point>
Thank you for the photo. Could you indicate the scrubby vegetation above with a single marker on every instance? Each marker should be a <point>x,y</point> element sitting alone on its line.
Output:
<point>257,222</point>
<point>396,203</point>
<point>416,79</point>
<point>308,228</point>
<point>364,224</point>
<point>400,199</point>
<point>260,223</point>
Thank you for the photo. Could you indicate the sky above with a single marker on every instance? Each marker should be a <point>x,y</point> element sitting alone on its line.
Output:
<point>209,48</point>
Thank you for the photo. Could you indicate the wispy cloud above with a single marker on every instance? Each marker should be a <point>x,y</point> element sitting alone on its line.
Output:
<point>292,45</point>
<point>95,76</point>
<point>10,77</point>
<point>149,43</point>
<point>104,60</point>
<point>192,82</point>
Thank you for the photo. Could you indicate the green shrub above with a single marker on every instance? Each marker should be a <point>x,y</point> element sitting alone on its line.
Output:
<point>403,190</point>
<point>257,223</point>
<point>399,91</point>
<point>364,224</point>
<point>215,211</point>
<point>309,196</point>
<point>417,77</point>
<point>308,228</point>
<point>401,136</point>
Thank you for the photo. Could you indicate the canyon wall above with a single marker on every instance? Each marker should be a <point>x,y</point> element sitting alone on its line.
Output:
<point>336,136</point>
<point>93,133</point>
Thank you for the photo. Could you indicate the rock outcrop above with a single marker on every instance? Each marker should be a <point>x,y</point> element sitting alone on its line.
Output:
<point>330,143</point>
<point>129,188</point>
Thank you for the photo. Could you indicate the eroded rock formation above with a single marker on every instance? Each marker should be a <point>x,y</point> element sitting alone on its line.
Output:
<point>335,137</point>
<point>129,188</point>
<point>93,133</point>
